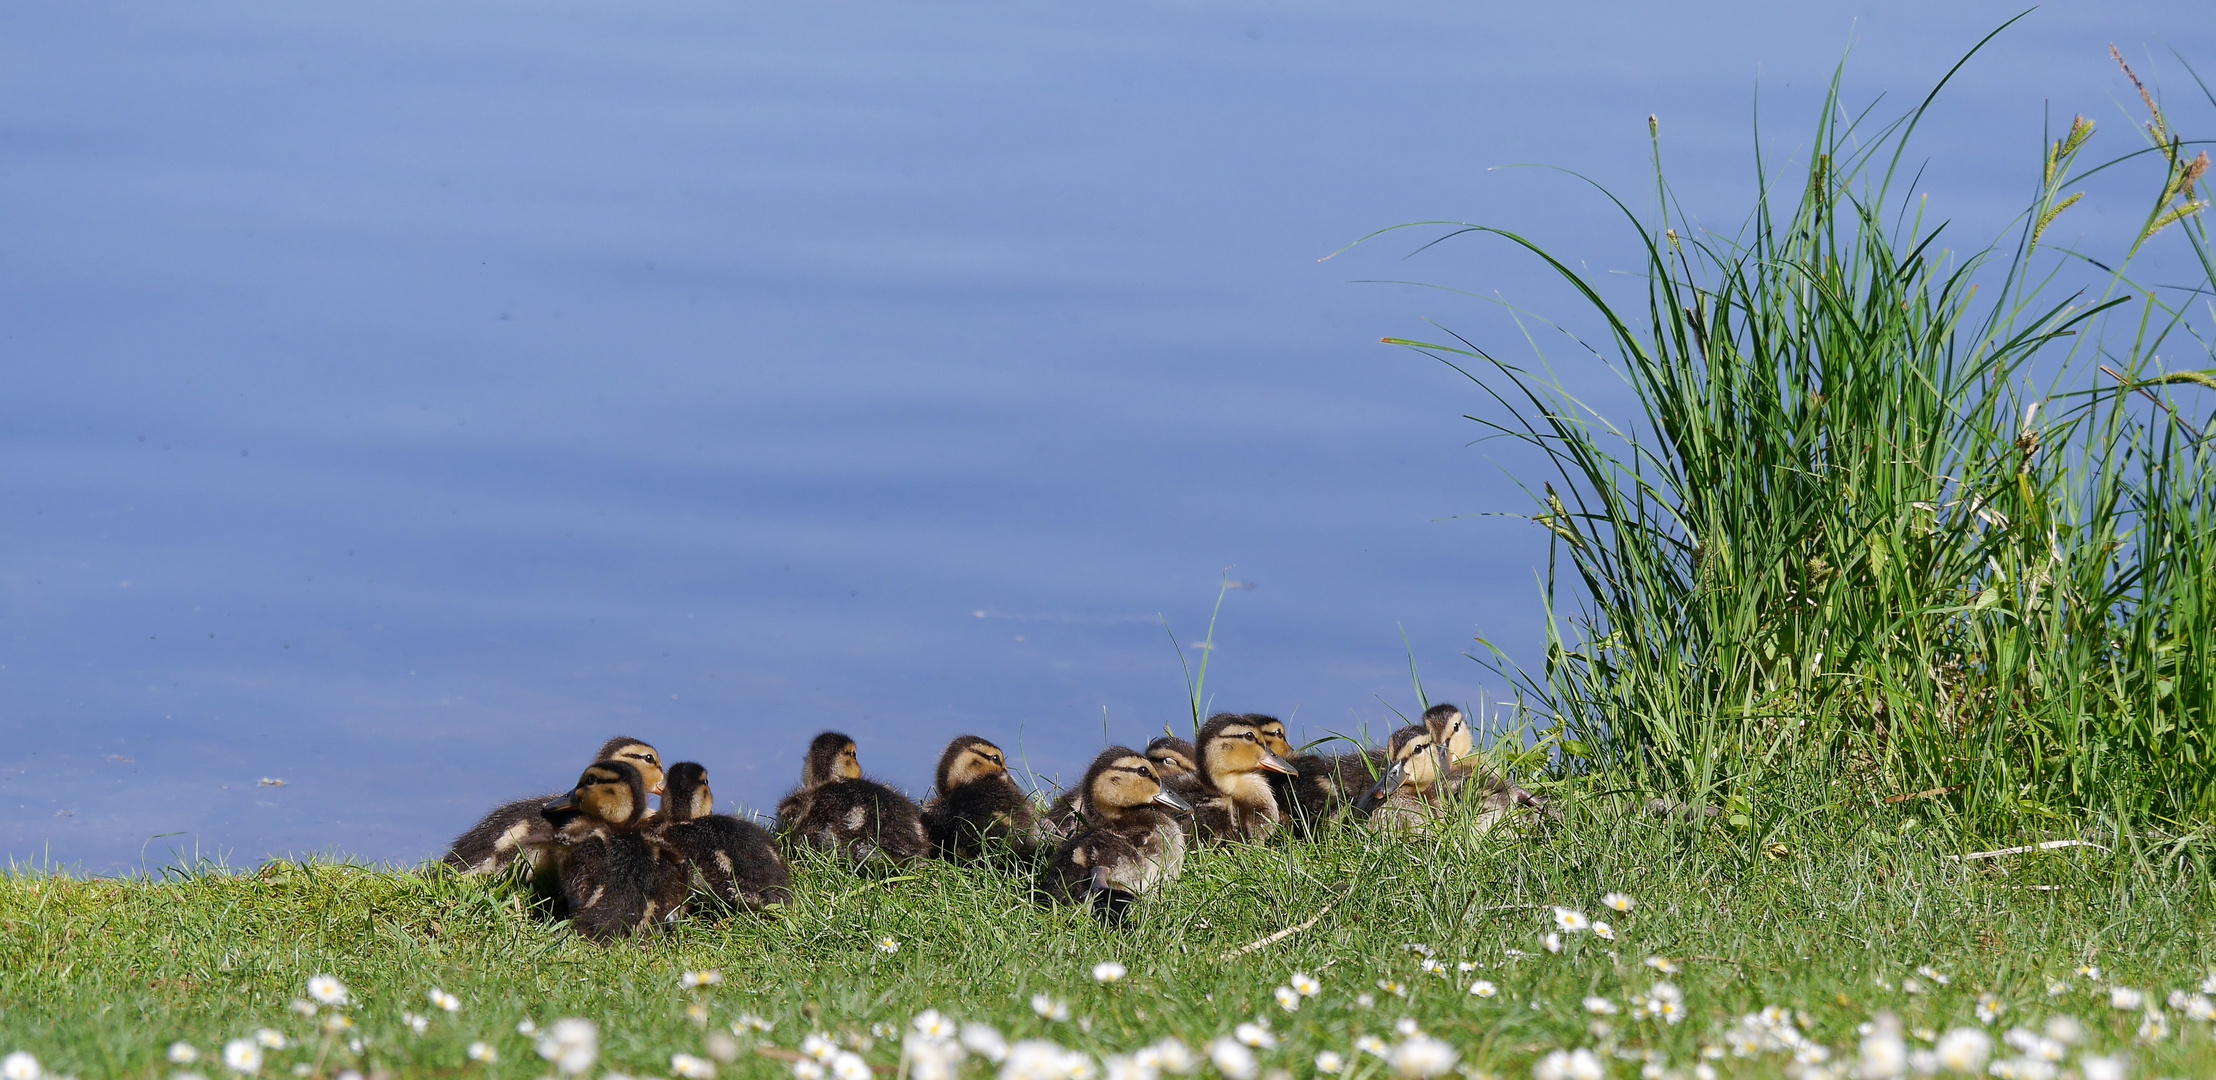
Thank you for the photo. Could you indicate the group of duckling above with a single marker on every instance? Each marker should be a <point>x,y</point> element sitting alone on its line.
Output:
<point>599,856</point>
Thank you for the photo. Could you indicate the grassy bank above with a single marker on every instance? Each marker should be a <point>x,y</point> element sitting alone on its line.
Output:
<point>1926,511</point>
<point>1829,914</point>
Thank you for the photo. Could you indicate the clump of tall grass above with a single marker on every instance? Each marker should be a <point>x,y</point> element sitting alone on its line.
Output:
<point>1939,522</point>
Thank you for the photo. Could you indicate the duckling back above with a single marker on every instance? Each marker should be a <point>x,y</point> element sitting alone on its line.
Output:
<point>517,831</point>
<point>731,863</point>
<point>616,879</point>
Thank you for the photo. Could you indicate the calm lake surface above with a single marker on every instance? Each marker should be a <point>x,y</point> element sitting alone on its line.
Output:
<point>403,398</point>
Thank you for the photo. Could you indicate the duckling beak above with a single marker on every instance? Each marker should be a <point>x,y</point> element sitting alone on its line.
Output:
<point>1386,785</point>
<point>566,802</point>
<point>1277,764</point>
<point>1164,798</point>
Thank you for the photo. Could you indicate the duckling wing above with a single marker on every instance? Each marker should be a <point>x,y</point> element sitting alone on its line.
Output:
<point>974,820</point>
<point>610,885</point>
<point>511,831</point>
<point>736,862</point>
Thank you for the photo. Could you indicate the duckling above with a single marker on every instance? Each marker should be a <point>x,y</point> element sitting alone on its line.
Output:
<point>978,805</point>
<point>1230,794</point>
<point>1128,846</point>
<point>731,860</point>
<point>1321,785</point>
<point>518,831</point>
<point>616,879</point>
<point>1424,780</point>
<point>1171,757</point>
<point>835,809</point>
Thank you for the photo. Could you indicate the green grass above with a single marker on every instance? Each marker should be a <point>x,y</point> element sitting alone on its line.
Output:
<point>1807,911</point>
<point>1923,515</point>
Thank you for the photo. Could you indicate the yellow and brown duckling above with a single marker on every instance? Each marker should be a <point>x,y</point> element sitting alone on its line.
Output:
<point>1128,847</point>
<point>616,879</point>
<point>1230,792</point>
<point>1321,785</point>
<point>733,862</point>
<point>835,809</point>
<point>1426,779</point>
<point>1171,757</point>
<point>978,808</point>
<point>518,831</point>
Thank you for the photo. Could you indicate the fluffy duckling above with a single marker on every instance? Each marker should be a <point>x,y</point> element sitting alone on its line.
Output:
<point>1171,757</point>
<point>835,809</point>
<point>616,879</point>
<point>518,831</point>
<point>1321,785</point>
<point>1230,793</point>
<point>1425,779</point>
<point>1128,847</point>
<point>733,861</point>
<point>978,806</point>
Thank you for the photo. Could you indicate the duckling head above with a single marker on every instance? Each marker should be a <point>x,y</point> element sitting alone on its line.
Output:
<point>831,756</point>
<point>1272,731</point>
<point>1451,729</point>
<point>1171,756</point>
<point>1232,750</point>
<point>1122,779</point>
<point>688,796</point>
<point>1417,761</point>
<point>640,756</point>
<point>970,759</point>
<point>611,792</point>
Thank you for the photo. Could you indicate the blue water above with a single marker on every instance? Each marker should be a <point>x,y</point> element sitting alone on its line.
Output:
<point>402,398</point>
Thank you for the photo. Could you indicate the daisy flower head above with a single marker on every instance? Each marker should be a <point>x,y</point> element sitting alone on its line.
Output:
<point>1233,1059</point>
<point>337,1024</point>
<point>807,1069</point>
<point>240,1056</point>
<point>1108,971</point>
<point>2199,1007</point>
<point>1604,931</point>
<point>1392,987</point>
<point>417,1024</point>
<point>1432,964</point>
<point>1330,1061</point>
<point>1569,1065</point>
<point>1288,998</point>
<point>183,1053</point>
<point>1989,1008</point>
<point>1671,1012</point>
<point>1964,1050</point>
<point>848,1065</point>
<point>1551,943</point>
<point>819,1046</point>
<point>933,1024</point>
<point>2208,985</point>
<point>1618,902</point>
<point>1364,1001</point>
<point>480,1051</point>
<point>697,1012</point>
<point>985,1041</point>
<point>1929,972</point>
<point>526,1028</point>
<point>1304,984</point>
<point>2154,1027</point>
<point>302,1007</point>
<point>1371,1045</point>
<point>711,977</point>
<point>2103,1068</point>
<point>691,1067</point>
<point>571,1044</point>
<point>888,944</point>
<point>2125,999</point>
<point>1256,1036</point>
<point>1571,920</point>
<point>1422,1057</point>
<point>20,1065</point>
<point>1484,989</point>
<point>2057,988</point>
<point>1911,986</point>
<point>2089,973</point>
<point>1600,1006</point>
<point>750,1022</point>
<point>1126,1067</point>
<point>444,1001</point>
<point>270,1037</point>
<point>1171,1055</point>
<point>328,990</point>
<point>1049,1009</point>
<point>1663,964</point>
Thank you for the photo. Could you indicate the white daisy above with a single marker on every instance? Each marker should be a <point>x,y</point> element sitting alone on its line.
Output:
<point>1306,985</point>
<point>240,1056</point>
<point>932,1024</point>
<point>985,1041</point>
<point>1233,1059</point>
<point>692,979</point>
<point>1255,1035</point>
<point>1617,901</point>
<point>1604,931</point>
<point>1406,1025</point>
<point>1571,920</point>
<point>183,1053</point>
<point>270,1037</point>
<point>1171,1055</point>
<point>1989,1008</point>
<point>807,1069</point>
<point>1108,971</point>
<point>1330,1061</point>
<point>1048,1008</point>
<point>1663,964</point>
<point>1288,998</point>
<point>1371,1045</point>
<point>2103,1068</point>
<point>888,944</point>
<point>327,990</point>
<point>479,1051</point>
<point>1964,1050</point>
<point>819,1046</point>
<point>1600,1006</point>
<point>1552,943</point>
<point>848,1065</point>
<point>571,1044</point>
<point>21,1065</point>
<point>1483,989</point>
<point>1422,1057</point>
<point>2125,999</point>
